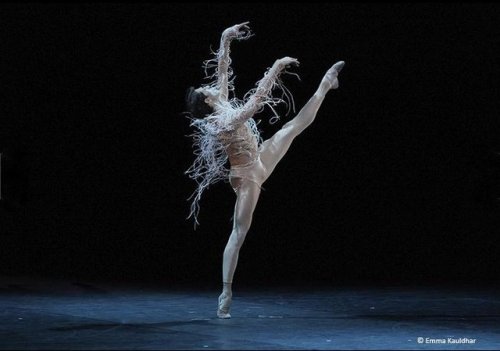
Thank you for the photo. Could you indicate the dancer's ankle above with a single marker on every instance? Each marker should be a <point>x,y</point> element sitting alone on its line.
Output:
<point>227,288</point>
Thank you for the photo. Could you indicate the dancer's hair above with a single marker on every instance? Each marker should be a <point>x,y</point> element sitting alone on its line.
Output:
<point>196,105</point>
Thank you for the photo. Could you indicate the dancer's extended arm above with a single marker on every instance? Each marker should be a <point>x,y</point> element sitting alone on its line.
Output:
<point>263,90</point>
<point>224,73</point>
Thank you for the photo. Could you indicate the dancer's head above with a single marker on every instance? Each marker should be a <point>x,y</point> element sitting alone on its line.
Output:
<point>200,102</point>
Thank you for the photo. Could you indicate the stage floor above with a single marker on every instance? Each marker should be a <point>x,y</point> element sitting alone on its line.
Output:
<point>81,315</point>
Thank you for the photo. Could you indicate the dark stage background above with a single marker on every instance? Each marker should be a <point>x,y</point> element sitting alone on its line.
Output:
<point>396,181</point>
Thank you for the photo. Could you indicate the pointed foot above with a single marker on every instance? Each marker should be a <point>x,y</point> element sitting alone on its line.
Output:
<point>224,306</point>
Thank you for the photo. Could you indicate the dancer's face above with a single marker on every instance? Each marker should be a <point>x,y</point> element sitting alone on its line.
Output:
<point>212,95</point>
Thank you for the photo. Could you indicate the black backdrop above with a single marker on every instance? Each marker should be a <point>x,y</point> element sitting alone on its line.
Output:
<point>396,180</point>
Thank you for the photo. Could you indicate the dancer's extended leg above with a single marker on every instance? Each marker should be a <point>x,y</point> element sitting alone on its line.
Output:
<point>273,149</point>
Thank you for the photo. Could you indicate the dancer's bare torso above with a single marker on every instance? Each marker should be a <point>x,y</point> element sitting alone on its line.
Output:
<point>240,144</point>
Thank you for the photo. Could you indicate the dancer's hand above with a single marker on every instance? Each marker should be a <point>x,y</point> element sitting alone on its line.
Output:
<point>238,31</point>
<point>287,61</point>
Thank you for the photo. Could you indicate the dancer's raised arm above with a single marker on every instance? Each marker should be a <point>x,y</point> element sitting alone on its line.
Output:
<point>239,31</point>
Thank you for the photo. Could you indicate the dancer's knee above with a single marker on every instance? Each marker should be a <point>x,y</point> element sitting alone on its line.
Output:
<point>293,128</point>
<point>299,124</point>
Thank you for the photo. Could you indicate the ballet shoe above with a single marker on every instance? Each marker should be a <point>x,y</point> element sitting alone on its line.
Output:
<point>224,306</point>
<point>330,80</point>
<point>338,66</point>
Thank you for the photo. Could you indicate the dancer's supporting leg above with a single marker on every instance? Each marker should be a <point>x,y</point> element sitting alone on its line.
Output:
<point>247,196</point>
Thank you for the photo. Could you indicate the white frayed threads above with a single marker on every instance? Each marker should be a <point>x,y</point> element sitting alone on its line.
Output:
<point>209,164</point>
